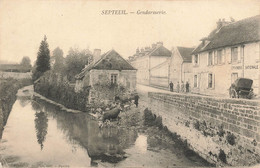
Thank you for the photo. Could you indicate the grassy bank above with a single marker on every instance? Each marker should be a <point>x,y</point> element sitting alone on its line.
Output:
<point>8,90</point>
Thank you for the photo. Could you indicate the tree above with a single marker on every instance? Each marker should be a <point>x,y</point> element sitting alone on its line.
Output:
<point>75,62</point>
<point>59,60</point>
<point>26,62</point>
<point>43,59</point>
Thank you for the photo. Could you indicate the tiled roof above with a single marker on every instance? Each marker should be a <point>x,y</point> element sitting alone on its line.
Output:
<point>185,53</point>
<point>240,32</point>
<point>109,61</point>
<point>160,51</point>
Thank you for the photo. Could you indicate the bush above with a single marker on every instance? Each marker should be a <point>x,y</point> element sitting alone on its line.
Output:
<point>231,139</point>
<point>197,125</point>
<point>61,92</point>
<point>222,156</point>
<point>221,131</point>
<point>152,120</point>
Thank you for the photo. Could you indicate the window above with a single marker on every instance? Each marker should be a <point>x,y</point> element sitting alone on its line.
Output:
<point>219,56</point>
<point>113,78</point>
<point>234,77</point>
<point>196,59</point>
<point>210,81</point>
<point>195,81</point>
<point>234,54</point>
<point>210,58</point>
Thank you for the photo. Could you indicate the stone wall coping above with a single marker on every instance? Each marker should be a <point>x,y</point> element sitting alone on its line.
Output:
<point>226,100</point>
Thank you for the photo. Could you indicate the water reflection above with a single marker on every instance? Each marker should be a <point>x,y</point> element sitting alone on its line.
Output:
<point>41,126</point>
<point>106,144</point>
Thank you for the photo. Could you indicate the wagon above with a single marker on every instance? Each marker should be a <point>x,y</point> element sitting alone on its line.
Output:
<point>241,88</point>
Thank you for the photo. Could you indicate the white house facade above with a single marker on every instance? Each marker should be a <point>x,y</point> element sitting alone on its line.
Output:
<point>229,52</point>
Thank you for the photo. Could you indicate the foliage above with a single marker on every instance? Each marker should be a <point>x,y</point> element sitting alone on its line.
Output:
<point>43,59</point>
<point>152,120</point>
<point>8,90</point>
<point>75,62</point>
<point>197,125</point>
<point>57,88</point>
<point>59,60</point>
<point>231,139</point>
<point>222,156</point>
<point>106,90</point>
<point>26,62</point>
<point>221,131</point>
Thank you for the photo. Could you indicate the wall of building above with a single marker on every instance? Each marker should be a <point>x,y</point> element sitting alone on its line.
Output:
<point>126,78</point>
<point>142,66</point>
<point>157,60</point>
<point>175,67</point>
<point>222,72</point>
<point>159,75</point>
<point>201,120</point>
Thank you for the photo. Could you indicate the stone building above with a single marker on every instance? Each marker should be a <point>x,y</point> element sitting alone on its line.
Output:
<point>180,65</point>
<point>230,51</point>
<point>109,68</point>
<point>145,60</point>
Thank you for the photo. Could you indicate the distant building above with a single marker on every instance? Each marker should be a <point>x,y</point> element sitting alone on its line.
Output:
<point>147,61</point>
<point>180,65</point>
<point>108,68</point>
<point>229,52</point>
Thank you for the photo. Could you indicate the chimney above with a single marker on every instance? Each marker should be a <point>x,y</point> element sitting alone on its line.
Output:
<point>219,24</point>
<point>159,44</point>
<point>153,45</point>
<point>142,50</point>
<point>137,51</point>
<point>96,55</point>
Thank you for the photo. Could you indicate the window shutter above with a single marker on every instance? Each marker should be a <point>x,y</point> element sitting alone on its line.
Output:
<point>213,80</point>
<point>223,55</point>
<point>229,57</point>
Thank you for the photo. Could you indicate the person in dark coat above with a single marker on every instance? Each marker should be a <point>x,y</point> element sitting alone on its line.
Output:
<point>171,86</point>
<point>187,87</point>
<point>136,98</point>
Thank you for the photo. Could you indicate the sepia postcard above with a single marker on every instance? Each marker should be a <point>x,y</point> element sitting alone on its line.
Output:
<point>159,83</point>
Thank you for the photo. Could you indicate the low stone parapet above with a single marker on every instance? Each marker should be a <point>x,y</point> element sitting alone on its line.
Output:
<point>219,129</point>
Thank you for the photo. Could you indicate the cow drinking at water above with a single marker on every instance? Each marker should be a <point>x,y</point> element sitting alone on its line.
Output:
<point>112,114</point>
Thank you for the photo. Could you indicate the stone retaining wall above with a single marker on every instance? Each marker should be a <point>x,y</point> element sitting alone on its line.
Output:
<point>213,124</point>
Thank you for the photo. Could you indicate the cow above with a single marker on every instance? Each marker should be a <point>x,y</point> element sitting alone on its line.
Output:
<point>111,114</point>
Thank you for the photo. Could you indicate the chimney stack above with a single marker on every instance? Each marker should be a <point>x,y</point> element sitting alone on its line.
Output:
<point>159,44</point>
<point>153,45</point>
<point>96,55</point>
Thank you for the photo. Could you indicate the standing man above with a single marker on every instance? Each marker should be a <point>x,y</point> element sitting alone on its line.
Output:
<point>171,86</point>
<point>187,87</point>
<point>136,99</point>
<point>182,86</point>
<point>178,87</point>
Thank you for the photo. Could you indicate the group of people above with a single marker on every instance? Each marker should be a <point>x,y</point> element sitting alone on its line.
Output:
<point>180,88</point>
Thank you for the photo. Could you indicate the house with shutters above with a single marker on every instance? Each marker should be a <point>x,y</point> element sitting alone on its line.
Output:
<point>109,68</point>
<point>151,63</point>
<point>229,52</point>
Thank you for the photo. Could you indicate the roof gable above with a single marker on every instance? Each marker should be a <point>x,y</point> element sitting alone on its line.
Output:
<point>185,53</point>
<point>112,61</point>
<point>160,51</point>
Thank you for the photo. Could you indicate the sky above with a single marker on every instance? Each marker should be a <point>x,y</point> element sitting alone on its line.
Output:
<point>80,24</point>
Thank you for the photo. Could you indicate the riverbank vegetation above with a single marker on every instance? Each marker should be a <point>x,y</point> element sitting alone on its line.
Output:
<point>8,90</point>
<point>56,88</point>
